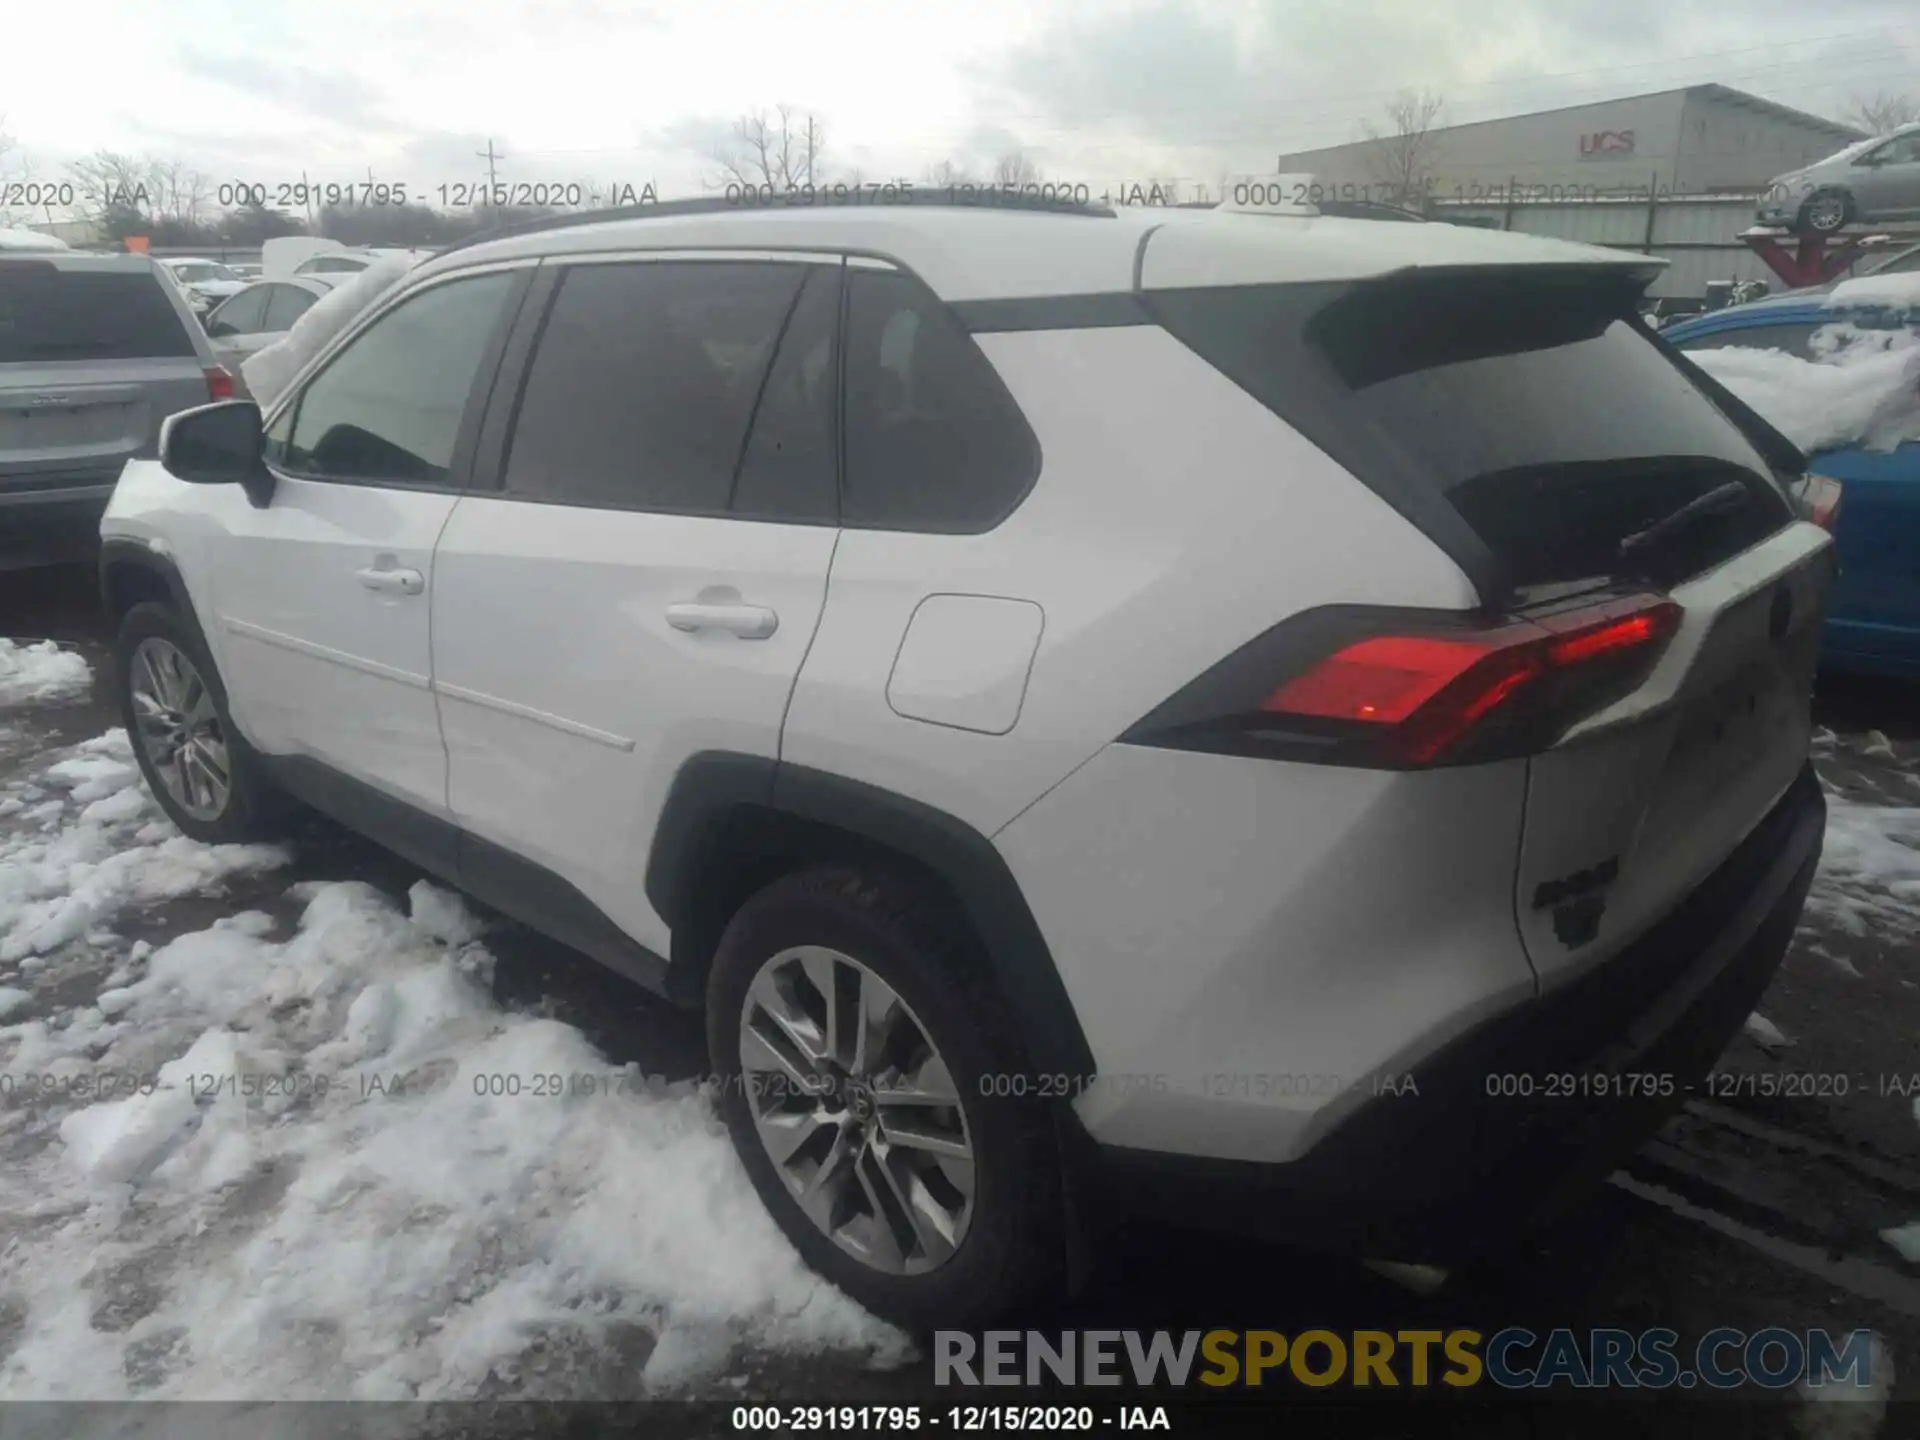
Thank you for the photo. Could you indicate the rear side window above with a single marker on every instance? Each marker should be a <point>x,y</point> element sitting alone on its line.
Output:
<point>244,314</point>
<point>285,305</point>
<point>1531,408</point>
<point>933,440</point>
<point>49,314</point>
<point>643,382</point>
<point>1790,338</point>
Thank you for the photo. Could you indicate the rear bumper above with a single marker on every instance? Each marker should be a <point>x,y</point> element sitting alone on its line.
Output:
<point>1453,1165</point>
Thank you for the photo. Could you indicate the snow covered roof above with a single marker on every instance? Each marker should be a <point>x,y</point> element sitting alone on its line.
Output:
<point>1862,389</point>
<point>1900,291</point>
<point>30,240</point>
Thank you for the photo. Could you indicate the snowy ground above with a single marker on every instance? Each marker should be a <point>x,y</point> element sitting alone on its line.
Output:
<point>251,1145</point>
<point>302,1153</point>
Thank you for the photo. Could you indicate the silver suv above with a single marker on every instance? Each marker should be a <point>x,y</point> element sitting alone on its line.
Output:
<point>95,351</point>
<point>1870,181</point>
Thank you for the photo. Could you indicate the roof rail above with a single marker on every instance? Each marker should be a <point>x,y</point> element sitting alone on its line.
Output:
<point>954,197</point>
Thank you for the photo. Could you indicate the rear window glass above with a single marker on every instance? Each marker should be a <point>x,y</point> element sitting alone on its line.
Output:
<point>48,314</point>
<point>1534,408</point>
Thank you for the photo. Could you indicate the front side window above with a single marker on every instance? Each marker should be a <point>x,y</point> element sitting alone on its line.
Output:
<point>1903,151</point>
<point>646,376</point>
<point>933,440</point>
<point>387,408</point>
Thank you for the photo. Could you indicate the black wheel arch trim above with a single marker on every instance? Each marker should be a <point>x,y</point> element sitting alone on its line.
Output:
<point>119,554</point>
<point>711,786</point>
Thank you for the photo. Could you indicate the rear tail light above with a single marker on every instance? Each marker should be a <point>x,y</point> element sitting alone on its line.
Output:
<point>1819,499</point>
<point>219,383</point>
<point>1359,687</point>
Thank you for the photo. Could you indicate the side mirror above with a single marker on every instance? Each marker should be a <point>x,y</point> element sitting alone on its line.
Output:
<point>218,444</point>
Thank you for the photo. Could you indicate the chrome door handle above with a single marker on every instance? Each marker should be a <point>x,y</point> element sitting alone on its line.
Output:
<point>749,622</point>
<point>392,582</point>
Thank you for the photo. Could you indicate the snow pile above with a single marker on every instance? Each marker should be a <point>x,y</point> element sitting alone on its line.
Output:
<point>352,1175</point>
<point>100,844</point>
<point>1865,388</point>
<point>269,371</point>
<point>1869,877</point>
<point>40,672</point>
<point>1897,292</point>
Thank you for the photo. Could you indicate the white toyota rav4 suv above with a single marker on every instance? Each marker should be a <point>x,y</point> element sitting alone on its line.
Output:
<point>1299,722</point>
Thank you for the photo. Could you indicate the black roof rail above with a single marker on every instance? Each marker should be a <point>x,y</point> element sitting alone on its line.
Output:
<point>953,197</point>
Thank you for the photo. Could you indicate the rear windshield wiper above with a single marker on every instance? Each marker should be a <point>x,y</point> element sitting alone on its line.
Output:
<point>1723,499</point>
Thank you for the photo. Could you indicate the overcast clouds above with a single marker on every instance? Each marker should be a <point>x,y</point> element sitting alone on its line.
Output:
<point>1105,92</point>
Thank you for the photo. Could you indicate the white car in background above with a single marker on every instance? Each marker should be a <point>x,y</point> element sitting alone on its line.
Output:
<point>260,314</point>
<point>206,282</point>
<point>335,264</point>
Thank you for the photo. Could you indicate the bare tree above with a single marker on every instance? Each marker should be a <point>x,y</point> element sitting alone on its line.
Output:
<point>1403,151</point>
<point>181,193</point>
<point>1882,111</point>
<point>948,174</point>
<point>1015,171</point>
<point>784,152</point>
<point>116,191</point>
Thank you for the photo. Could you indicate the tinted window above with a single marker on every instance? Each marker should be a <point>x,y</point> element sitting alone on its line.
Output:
<point>788,470</point>
<point>286,305</point>
<point>330,265</point>
<point>388,407</point>
<point>933,439</point>
<point>47,313</point>
<point>242,315</point>
<point>645,376</point>
<point>1531,406</point>
<point>1791,338</point>
<point>1904,151</point>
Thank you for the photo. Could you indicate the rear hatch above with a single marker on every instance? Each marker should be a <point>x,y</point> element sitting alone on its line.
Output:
<point>1521,416</point>
<point>93,355</point>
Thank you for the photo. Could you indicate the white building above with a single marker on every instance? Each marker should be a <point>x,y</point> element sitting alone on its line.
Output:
<point>1702,140</point>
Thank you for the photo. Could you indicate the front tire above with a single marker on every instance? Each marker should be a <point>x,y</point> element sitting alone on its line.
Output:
<point>174,707</point>
<point>1825,213</point>
<point>861,1051</point>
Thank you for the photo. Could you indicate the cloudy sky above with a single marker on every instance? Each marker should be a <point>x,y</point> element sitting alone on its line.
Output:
<point>1100,91</point>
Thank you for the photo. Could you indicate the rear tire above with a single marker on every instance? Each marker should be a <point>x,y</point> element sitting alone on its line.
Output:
<point>907,1228</point>
<point>203,774</point>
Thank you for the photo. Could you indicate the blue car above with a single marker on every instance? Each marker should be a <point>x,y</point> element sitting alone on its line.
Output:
<point>1873,625</point>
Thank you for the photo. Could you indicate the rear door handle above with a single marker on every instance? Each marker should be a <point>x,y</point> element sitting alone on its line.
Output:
<point>392,582</point>
<point>749,622</point>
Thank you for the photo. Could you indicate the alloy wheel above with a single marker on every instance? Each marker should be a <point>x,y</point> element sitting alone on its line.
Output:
<point>180,729</point>
<point>1826,212</point>
<point>857,1109</point>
